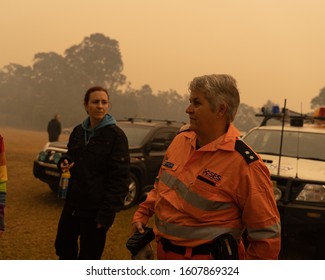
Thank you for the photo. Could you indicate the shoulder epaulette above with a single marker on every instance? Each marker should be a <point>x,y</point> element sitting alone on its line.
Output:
<point>248,154</point>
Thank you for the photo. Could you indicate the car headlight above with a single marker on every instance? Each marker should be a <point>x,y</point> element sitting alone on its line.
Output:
<point>312,193</point>
<point>57,157</point>
<point>42,156</point>
<point>277,194</point>
<point>276,190</point>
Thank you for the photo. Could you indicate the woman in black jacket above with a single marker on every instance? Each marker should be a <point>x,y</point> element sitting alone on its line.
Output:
<point>98,159</point>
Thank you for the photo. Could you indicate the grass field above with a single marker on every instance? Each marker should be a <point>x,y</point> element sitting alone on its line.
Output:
<point>33,210</point>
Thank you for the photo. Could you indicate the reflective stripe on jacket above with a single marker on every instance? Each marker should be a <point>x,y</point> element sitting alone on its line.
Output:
<point>221,187</point>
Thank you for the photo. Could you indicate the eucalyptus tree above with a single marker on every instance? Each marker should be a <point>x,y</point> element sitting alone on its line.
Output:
<point>96,61</point>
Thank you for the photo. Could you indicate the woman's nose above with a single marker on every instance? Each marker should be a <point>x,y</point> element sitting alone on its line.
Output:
<point>189,109</point>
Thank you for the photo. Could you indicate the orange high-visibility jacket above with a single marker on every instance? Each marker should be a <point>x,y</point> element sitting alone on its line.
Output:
<point>223,187</point>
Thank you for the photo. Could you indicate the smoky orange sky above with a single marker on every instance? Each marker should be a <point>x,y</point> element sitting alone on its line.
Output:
<point>274,48</point>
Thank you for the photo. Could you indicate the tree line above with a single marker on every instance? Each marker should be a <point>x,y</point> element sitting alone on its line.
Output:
<point>31,95</point>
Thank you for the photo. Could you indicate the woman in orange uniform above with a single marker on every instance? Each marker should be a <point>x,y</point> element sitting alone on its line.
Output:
<point>211,186</point>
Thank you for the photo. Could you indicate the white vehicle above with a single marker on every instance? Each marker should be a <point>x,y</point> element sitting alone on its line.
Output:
<point>302,152</point>
<point>294,153</point>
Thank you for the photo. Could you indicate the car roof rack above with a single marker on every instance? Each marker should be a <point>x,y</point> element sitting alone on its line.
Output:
<point>150,120</point>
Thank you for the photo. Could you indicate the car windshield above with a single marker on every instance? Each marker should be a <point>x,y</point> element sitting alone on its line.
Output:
<point>134,133</point>
<point>295,144</point>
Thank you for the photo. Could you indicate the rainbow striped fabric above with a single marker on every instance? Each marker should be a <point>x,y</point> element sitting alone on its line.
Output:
<point>3,182</point>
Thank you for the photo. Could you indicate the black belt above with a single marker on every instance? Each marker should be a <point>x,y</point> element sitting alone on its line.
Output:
<point>204,249</point>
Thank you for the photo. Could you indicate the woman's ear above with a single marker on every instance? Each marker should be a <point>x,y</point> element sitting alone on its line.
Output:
<point>222,109</point>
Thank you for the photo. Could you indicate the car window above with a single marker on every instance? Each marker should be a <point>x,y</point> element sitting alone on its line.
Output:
<point>164,136</point>
<point>135,134</point>
<point>295,144</point>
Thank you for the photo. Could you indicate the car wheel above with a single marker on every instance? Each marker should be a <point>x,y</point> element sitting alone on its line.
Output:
<point>133,194</point>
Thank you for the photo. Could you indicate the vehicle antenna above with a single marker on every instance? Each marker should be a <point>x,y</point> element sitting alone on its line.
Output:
<point>298,144</point>
<point>282,130</point>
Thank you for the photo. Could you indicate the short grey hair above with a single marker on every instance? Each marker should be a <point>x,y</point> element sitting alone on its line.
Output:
<point>219,90</point>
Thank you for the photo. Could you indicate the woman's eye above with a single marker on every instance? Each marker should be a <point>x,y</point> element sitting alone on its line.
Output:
<point>104,102</point>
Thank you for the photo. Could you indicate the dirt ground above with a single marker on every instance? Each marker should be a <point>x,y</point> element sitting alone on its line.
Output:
<point>33,210</point>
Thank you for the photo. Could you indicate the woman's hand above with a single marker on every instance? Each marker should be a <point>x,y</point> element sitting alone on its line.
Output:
<point>137,226</point>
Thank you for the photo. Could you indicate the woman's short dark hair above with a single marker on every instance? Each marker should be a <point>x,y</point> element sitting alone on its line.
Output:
<point>92,89</point>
